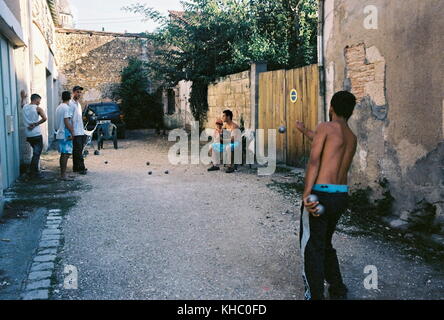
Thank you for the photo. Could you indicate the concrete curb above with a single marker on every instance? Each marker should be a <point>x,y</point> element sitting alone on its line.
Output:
<point>38,284</point>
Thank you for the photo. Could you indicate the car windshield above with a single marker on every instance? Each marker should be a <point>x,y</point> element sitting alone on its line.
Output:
<point>106,108</point>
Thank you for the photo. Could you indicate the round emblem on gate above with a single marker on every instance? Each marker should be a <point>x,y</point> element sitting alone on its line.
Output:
<point>293,95</point>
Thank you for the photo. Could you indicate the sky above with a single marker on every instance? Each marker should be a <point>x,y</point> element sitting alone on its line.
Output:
<point>98,14</point>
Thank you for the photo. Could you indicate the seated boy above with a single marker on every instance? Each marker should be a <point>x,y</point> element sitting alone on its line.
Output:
<point>217,146</point>
<point>233,147</point>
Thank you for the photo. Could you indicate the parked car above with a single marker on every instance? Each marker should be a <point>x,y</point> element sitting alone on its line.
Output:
<point>105,111</point>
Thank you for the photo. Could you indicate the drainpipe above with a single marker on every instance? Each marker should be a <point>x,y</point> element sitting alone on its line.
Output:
<point>30,47</point>
<point>321,60</point>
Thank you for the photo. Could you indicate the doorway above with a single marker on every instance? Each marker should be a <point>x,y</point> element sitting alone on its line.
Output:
<point>9,151</point>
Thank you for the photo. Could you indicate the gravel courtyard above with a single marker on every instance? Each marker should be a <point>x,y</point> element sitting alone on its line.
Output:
<point>191,234</point>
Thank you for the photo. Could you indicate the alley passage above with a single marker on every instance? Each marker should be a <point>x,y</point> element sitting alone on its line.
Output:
<point>191,234</point>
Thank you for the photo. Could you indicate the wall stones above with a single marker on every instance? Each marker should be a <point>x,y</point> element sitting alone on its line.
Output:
<point>232,92</point>
<point>365,75</point>
<point>94,60</point>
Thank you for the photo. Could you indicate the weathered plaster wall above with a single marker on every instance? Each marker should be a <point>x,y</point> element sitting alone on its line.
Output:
<point>183,117</point>
<point>396,71</point>
<point>40,67</point>
<point>94,60</point>
<point>42,18</point>
<point>33,70</point>
<point>231,92</point>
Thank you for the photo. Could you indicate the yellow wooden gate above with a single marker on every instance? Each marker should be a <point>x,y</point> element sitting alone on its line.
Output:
<point>286,96</point>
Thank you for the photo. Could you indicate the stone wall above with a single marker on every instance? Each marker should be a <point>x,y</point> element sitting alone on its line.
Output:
<point>395,69</point>
<point>232,92</point>
<point>94,60</point>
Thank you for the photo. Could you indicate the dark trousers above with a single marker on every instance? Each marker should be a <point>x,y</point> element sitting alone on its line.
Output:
<point>320,261</point>
<point>77,153</point>
<point>37,148</point>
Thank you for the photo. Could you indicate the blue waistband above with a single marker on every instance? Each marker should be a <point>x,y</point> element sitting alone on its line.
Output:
<point>219,147</point>
<point>330,188</point>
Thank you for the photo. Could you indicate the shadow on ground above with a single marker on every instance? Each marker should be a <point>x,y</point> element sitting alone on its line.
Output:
<point>27,202</point>
<point>360,224</point>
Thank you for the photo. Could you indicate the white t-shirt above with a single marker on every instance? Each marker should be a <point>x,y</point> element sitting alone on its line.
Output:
<point>77,118</point>
<point>31,116</point>
<point>63,112</point>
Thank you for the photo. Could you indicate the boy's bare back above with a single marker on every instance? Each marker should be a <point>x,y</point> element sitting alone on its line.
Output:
<point>337,154</point>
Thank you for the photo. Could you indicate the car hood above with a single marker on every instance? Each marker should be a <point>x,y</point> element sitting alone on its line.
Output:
<point>106,116</point>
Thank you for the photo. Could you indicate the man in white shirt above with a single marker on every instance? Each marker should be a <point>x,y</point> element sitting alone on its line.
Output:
<point>33,117</point>
<point>65,132</point>
<point>79,139</point>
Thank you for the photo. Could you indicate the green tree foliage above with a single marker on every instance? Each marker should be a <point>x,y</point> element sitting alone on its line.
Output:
<point>214,38</point>
<point>141,109</point>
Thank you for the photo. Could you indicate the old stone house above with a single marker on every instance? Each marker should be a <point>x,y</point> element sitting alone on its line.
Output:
<point>389,54</point>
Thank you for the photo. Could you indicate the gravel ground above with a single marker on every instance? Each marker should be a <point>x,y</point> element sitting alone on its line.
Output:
<point>191,234</point>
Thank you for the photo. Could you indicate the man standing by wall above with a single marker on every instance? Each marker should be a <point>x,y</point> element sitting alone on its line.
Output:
<point>79,131</point>
<point>33,117</point>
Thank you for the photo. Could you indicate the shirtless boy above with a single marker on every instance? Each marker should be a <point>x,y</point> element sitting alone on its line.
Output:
<point>231,148</point>
<point>332,152</point>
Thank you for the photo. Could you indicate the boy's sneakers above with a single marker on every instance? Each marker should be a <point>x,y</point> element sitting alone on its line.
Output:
<point>230,170</point>
<point>83,172</point>
<point>338,293</point>
<point>213,168</point>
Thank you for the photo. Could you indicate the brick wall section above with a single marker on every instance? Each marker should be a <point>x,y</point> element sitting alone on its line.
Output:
<point>357,71</point>
<point>366,72</point>
<point>231,92</point>
<point>94,60</point>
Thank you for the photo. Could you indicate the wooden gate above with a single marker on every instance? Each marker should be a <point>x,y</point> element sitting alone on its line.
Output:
<point>286,96</point>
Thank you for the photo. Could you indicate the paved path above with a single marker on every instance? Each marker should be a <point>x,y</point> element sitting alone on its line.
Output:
<point>191,234</point>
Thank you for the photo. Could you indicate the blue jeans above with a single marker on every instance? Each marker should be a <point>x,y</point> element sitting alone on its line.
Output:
<point>37,148</point>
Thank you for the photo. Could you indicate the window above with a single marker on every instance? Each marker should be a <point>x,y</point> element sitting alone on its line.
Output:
<point>171,101</point>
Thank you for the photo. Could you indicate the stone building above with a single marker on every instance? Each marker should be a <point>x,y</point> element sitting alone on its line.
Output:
<point>94,60</point>
<point>66,18</point>
<point>389,54</point>
<point>27,32</point>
